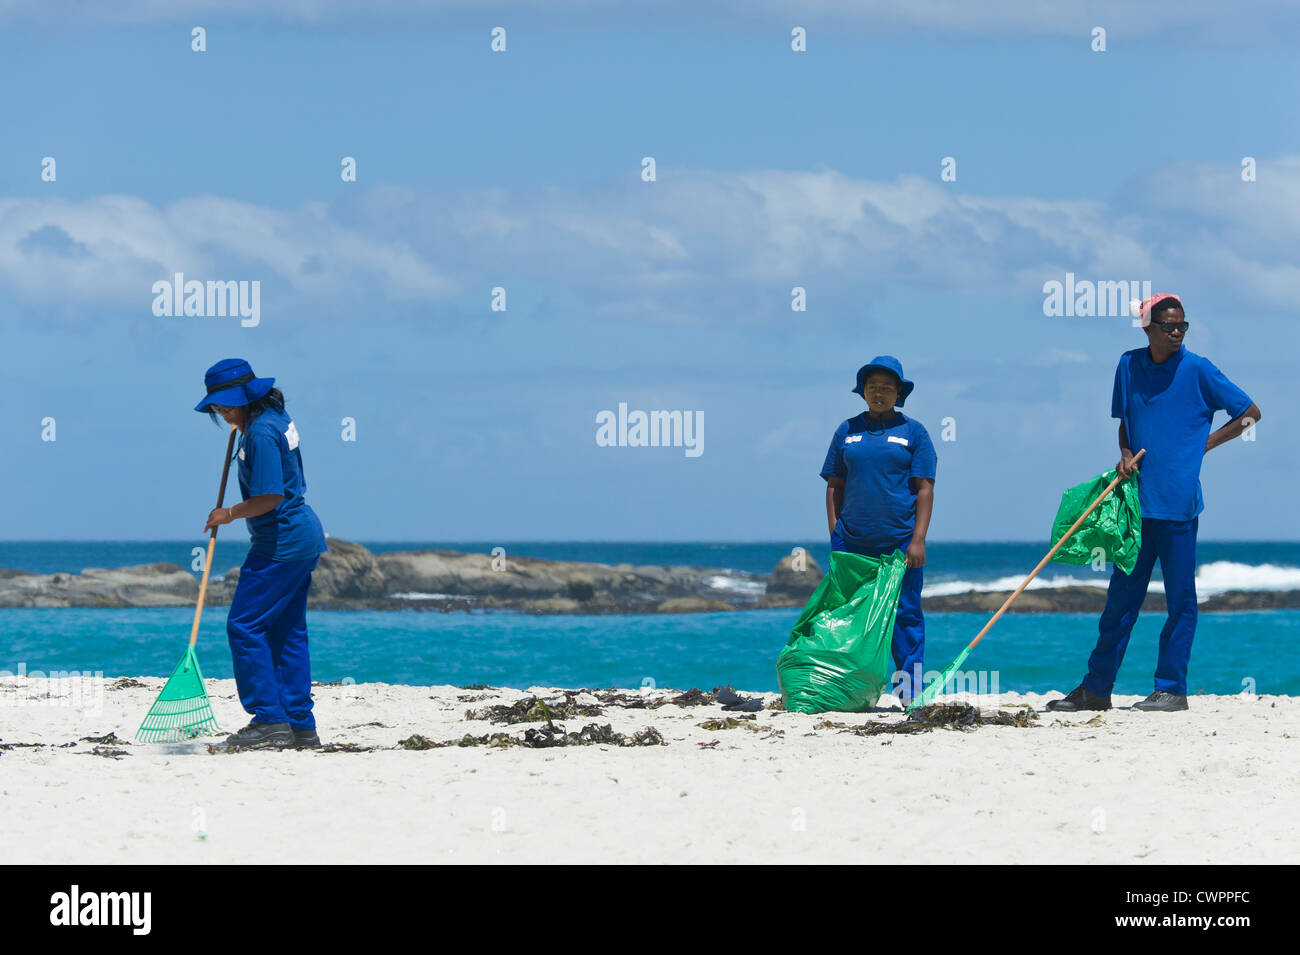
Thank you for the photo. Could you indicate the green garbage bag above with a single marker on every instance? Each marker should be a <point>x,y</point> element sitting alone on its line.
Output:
<point>838,655</point>
<point>1114,526</point>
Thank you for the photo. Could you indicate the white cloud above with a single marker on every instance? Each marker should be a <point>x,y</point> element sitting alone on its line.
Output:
<point>126,244</point>
<point>640,248</point>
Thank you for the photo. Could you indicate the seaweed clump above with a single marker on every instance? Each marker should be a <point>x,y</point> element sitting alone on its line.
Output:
<point>533,710</point>
<point>693,697</point>
<point>633,701</point>
<point>730,723</point>
<point>958,716</point>
<point>108,740</point>
<point>552,734</point>
<point>108,752</point>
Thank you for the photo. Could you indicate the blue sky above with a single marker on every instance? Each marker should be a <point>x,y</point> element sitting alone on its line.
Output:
<point>521,169</point>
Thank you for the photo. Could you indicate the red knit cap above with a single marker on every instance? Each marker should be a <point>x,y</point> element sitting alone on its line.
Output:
<point>1142,310</point>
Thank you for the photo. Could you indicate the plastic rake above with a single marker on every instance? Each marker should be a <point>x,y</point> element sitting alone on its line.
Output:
<point>937,685</point>
<point>183,710</point>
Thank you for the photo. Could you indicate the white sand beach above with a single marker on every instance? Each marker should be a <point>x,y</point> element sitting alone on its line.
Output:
<point>1218,784</point>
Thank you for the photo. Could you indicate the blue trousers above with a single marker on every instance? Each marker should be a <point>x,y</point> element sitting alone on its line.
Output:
<point>908,646</point>
<point>267,628</point>
<point>1174,542</point>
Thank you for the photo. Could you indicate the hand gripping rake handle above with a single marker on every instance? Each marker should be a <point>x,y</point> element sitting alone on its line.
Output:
<point>212,540</point>
<point>1052,553</point>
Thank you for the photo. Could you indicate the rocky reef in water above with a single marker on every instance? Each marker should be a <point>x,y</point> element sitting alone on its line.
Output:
<point>350,577</point>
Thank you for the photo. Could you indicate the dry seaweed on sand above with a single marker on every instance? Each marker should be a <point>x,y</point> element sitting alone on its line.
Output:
<point>729,723</point>
<point>831,725</point>
<point>491,740</point>
<point>1022,718</point>
<point>344,748</point>
<point>534,710</point>
<point>124,683</point>
<point>1097,720</point>
<point>108,752</point>
<point>633,701</point>
<point>628,701</point>
<point>416,741</point>
<point>550,735</point>
<point>109,739</point>
<point>959,716</point>
<point>693,697</point>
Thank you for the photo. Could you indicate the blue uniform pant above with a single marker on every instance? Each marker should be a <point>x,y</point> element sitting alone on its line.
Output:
<point>267,628</point>
<point>908,646</point>
<point>1174,542</point>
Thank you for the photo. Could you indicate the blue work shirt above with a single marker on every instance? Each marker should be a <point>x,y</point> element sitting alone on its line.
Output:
<point>270,463</point>
<point>876,461</point>
<point>1168,408</point>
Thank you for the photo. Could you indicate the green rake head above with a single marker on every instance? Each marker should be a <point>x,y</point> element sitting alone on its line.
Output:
<point>182,710</point>
<point>938,684</point>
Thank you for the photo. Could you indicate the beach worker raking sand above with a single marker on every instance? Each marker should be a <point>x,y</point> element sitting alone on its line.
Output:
<point>1165,398</point>
<point>879,474</point>
<point>267,625</point>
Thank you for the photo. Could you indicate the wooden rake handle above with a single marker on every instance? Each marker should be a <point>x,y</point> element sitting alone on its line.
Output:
<point>1052,553</point>
<point>212,539</point>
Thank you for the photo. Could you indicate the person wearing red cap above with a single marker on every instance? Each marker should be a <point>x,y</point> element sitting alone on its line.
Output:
<point>1165,398</point>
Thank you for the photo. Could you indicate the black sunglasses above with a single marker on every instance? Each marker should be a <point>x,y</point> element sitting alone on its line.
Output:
<point>1169,327</point>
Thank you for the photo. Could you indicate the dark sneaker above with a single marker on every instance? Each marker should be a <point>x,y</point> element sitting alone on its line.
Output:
<point>1162,702</point>
<point>1080,699</point>
<point>305,739</point>
<point>262,736</point>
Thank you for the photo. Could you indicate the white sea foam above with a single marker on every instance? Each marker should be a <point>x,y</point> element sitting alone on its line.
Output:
<point>738,585</point>
<point>1011,583</point>
<point>1216,577</point>
<point>1219,576</point>
<point>416,595</point>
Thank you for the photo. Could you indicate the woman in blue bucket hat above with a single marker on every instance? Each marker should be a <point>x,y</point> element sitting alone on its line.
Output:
<point>879,475</point>
<point>267,625</point>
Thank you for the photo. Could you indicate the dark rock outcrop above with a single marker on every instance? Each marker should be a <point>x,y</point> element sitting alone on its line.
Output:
<point>350,577</point>
<point>793,580</point>
<point>147,585</point>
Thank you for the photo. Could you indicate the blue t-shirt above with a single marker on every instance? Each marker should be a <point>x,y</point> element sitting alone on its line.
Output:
<point>876,461</point>
<point>1168,408</point>
<point>270,463</point>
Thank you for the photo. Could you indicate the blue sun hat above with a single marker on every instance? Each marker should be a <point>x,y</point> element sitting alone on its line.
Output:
<point>231,382</point>
<point>890,364</point>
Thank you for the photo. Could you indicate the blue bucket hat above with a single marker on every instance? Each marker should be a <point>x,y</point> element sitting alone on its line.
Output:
<point>231,382</point>
<point>890,364</point>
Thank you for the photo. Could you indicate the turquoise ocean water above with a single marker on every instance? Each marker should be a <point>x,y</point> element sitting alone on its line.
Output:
<point>1023,652</point>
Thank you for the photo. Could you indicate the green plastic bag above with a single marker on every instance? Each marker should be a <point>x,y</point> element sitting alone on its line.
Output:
<point>1115,526</point>
<point>838,655</point>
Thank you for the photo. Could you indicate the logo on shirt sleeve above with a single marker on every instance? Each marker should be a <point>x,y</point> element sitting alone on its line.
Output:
<point>291,435</point>
<point>852,438</point>
<point>241,454</point>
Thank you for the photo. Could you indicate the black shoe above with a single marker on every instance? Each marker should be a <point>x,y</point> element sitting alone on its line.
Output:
<point>1162,702</point>
<point>305,739</point>
<point>262,736</point>
<point>1080,699</point>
